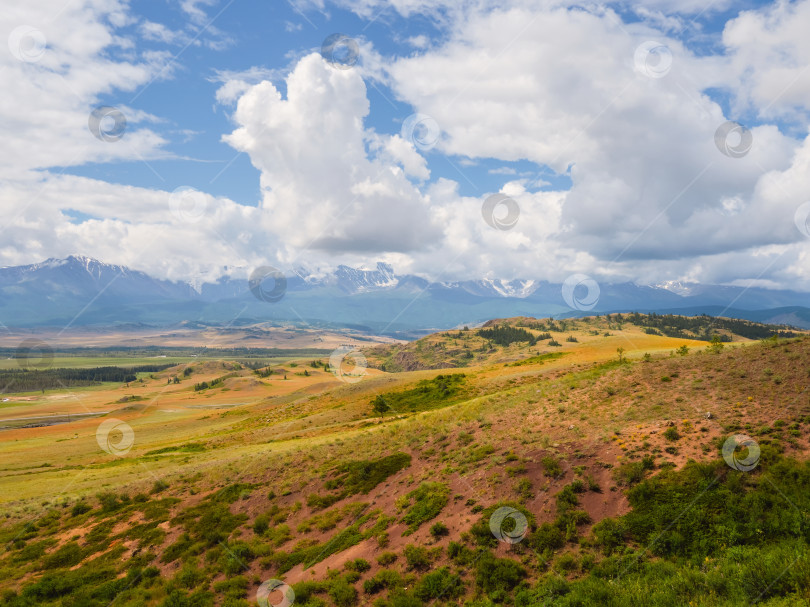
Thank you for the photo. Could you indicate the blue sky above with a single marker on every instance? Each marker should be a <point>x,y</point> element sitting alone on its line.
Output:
<point>269,35</point>
<point>254,34</point>
<point>614,167</point>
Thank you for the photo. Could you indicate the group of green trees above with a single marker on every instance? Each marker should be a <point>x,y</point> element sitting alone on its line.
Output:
<point>705,327</point>
<point>505,335</point>
<point>25,380</point>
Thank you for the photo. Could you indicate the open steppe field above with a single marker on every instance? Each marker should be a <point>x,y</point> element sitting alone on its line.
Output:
<point>619,460</point>
<point>195,338</point>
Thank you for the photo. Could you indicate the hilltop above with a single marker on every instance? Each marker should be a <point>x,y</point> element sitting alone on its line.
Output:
<point>589,338</point>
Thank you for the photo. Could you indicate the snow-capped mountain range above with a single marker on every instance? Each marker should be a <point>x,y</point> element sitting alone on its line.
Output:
<point>83,291</point>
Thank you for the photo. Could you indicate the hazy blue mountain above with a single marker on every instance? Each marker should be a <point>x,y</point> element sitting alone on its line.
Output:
<point>80,291</point>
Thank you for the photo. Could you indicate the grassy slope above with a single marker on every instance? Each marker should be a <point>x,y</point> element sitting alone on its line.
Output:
<point>519,434</point>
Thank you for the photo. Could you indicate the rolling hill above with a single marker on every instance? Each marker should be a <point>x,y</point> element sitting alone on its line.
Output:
<point>612,468</point>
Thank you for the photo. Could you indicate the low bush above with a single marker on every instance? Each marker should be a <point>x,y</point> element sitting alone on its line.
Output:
<point>424,504</point>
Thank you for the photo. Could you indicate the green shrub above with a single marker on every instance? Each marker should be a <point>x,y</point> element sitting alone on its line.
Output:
<point>358,565</point>
<point>230,493</point>
<point>428,394</point>
<point>524,489</point>
<point>593,484</point>
<point>438,530</point>
<point>609,534</point>
<point>566,562</point>
<point>189,576</point>
<point>65,556</point>
<point>629,473</point>
<point>481,531</point>
<point>547,537</point>
<point>494,574</point>
<point>261,524</point>
<point>110,502</point>
<point>319,502</point>
<point>552,466</point>
<point>342,593</point>
<point>306,590</point>
<point>425,503</point>
<point>386,558</point>
<point>80,508</point>
<point>236,557</point>
<point>420,557</point>
<point>439,584</point>
<point>672,433</point>
<point>385,578</point>
<point>158,486</point>
<point>362,476</point>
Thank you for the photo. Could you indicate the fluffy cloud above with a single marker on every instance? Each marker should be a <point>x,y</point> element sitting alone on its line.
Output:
<point>652,197</point>
<point>55,72</point>
<point>166,234</point>
<point>769,57</point>
<point>60,61</point>
<point>322,189</point>
<point>559,87</point>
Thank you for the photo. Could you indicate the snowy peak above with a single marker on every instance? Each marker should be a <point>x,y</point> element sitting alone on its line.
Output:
<point>513,288</point>
<point>60,292</point>
<point>353,280</point>
<point>684,289</point>
<point>76,263</point>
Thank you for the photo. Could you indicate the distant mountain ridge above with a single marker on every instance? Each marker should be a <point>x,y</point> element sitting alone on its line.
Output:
<point>80,290</point>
